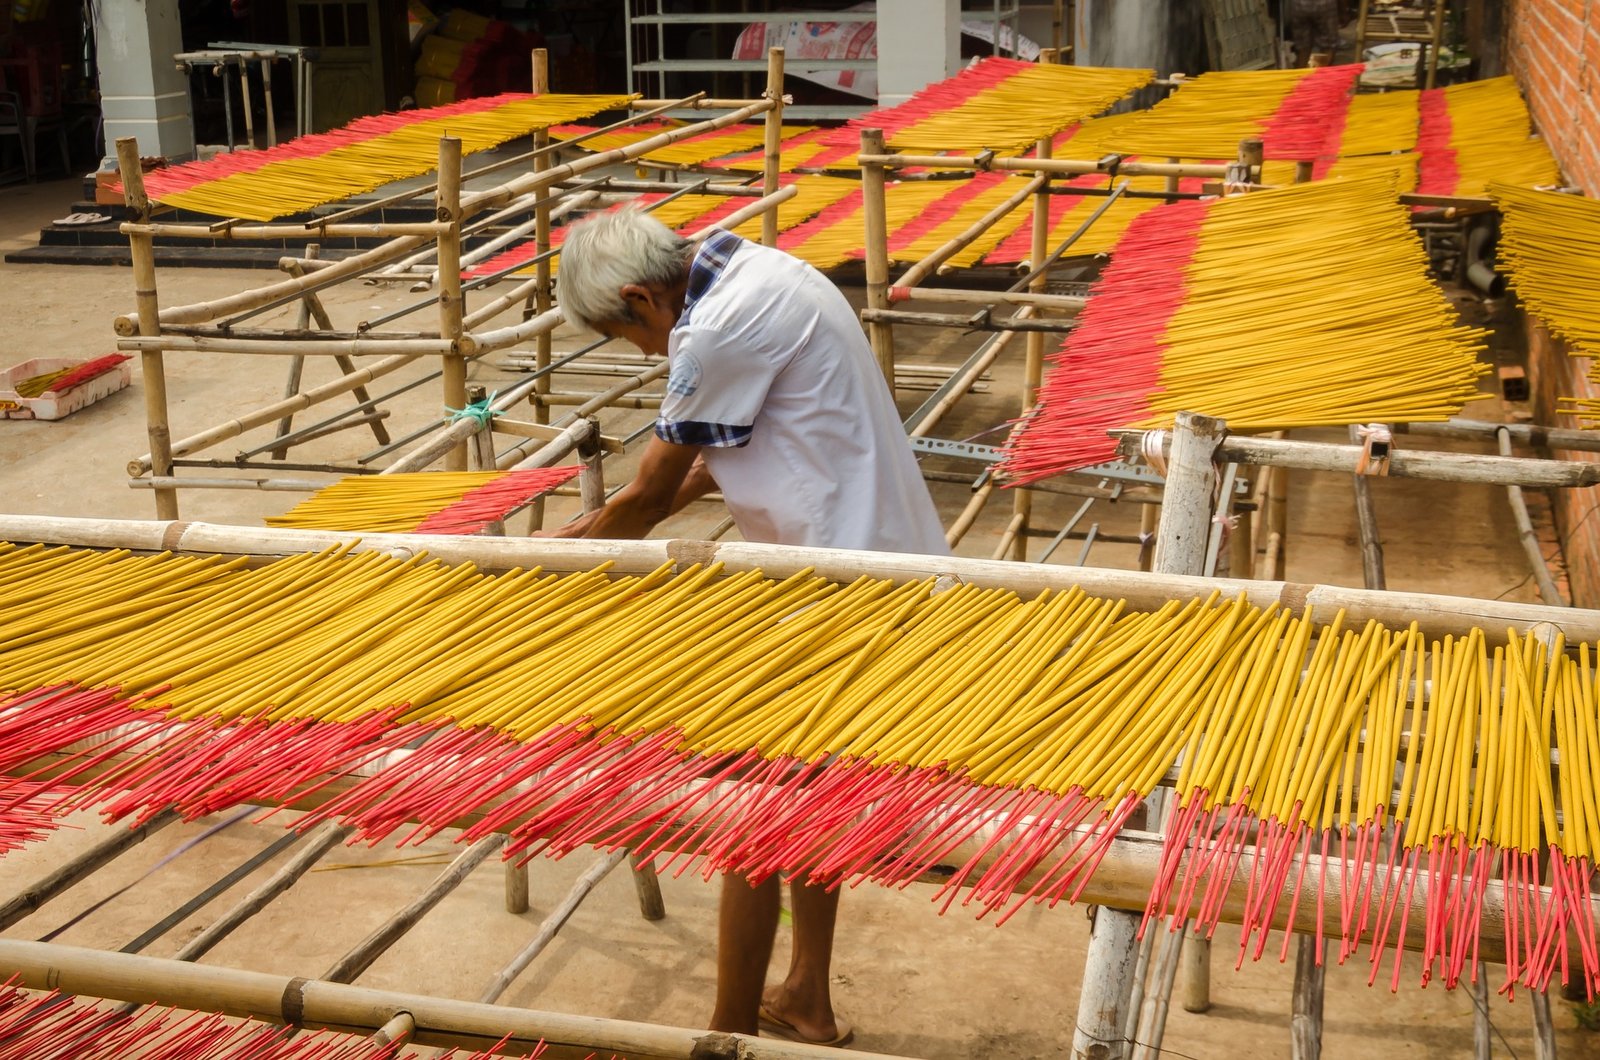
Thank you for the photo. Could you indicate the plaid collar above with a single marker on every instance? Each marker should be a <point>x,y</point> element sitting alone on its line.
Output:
<point>712,256</point>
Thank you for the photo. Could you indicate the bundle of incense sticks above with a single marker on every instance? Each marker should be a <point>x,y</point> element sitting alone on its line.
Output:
<point>813,194</point>
<point>1550,249</point>
<point>35,1026</point>
<point>1479,133</point>
<point>369,152</point>
<point>704,149</point>
<point>836,733</point>
<point>994,103</point>
<point>1290,110</point>
<point>423,502</point>
<point>1308,340</point>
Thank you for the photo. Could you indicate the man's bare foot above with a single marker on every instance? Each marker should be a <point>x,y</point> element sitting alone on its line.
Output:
<point>791,1017</point>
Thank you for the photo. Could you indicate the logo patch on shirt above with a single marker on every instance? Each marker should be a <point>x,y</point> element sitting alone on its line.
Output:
<point>684,379</point>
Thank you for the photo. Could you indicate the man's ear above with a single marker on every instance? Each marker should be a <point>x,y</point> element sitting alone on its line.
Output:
<point>637,295</point>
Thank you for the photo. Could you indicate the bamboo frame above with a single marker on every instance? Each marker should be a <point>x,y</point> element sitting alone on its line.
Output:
<point>218,325</point>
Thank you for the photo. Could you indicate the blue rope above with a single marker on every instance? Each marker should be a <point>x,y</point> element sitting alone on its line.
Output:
<point>478,410</point>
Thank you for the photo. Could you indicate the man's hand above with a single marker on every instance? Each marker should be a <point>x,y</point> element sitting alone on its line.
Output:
<point>661,487</point>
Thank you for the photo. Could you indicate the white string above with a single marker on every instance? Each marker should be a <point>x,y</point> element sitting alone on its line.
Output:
<point>1152,446</point>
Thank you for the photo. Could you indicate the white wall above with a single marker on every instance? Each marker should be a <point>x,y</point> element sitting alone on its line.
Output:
<point>142,93</point>
<point>919,42</point>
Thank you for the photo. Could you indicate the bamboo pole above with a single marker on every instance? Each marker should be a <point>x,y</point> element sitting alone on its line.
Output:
<point>315,1004</point>
<point>541,305</point>
<point>1181,540</point>
<point>1062,303</point>
<point>1436,615</point>
<point>369,949</point>
<point>928,265</point>
<point>1033,360</point>
<point>1548,592</point>
<point>1063,167</point>
<point>1437,467</point>
<point>552,924</point>
<point>979,321</point>
<point>772,138</point>
<point>284,290</point>
<point>880,334</point>
<point>1367,527</point>
<point>591,480</point>
<point>147,321</point>
<point>303,346</point>
<point>30,898</point>
<point>450,305</point>
<point>277,232</point>
<point>1531,435</point>
<point>324,838</point>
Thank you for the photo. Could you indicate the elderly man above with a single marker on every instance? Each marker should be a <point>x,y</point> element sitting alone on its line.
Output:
<point>774,398</point>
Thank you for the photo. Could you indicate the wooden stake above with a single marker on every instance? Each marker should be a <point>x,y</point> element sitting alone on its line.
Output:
<point>772,137</point>
<point>873,208</point>
<point>1305,1026</point>
<point>450,307</point>
<point>369,949</point>
<point>1548,592</point>
<point>592,480</point>
<point>647,886</point>
<point>1367,527</point>
<point>153,375</point>
<point>516,887</point>
<point>1196,962</point>
<point>552,924</point>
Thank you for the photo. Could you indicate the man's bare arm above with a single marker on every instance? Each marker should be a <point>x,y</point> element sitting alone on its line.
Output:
<point>658,490</point>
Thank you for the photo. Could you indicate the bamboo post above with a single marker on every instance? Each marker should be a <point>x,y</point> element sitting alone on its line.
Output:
<point>399,1029</point>
<point>152,370</point>
<point>873,183</point>
<point>480,445</point>
<point>772,139</point>
<point>297,364</point>
<point>1182,536</point>
<point>30,898</point>
<point>266,95</point>
<point>1252,156</point>
<point>244,95</point>
<point>369,949</point>
<point>541,295</point>
<point>1481,1028</point>
<point>552,924</point>
<point>647,886</point>
<point>1033,364</point>
<point>1544,1028</point>
<point>450,307</point>
<point>1196,964</point>
<point>324,838</point>
<point>591,480</point>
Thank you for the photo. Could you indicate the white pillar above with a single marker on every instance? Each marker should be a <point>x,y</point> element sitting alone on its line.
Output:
<point>919,42</point>
<point>142,94</point>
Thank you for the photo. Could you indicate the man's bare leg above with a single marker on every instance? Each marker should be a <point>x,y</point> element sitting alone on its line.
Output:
<point>747,922</point>
<point>802,1000</point>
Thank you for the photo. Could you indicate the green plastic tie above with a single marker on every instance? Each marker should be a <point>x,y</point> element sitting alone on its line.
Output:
<point>478,410</point>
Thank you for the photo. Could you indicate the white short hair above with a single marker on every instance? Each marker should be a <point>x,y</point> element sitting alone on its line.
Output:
<point>604,254</point>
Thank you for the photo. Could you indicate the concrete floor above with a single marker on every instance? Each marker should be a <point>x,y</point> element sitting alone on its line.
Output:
<point>912,982</point>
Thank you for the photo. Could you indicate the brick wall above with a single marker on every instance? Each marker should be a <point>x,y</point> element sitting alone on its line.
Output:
<point>1553,47</point>
<point>1577,511</point>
